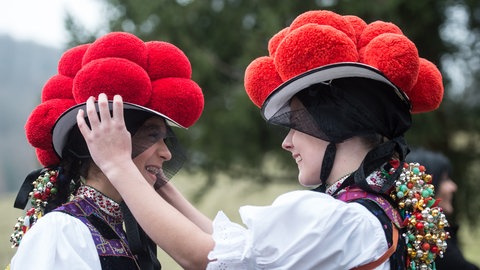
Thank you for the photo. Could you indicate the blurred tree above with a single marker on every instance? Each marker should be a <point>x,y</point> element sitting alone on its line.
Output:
<point>221,37</point>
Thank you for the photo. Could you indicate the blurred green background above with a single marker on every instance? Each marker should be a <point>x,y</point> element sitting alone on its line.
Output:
<point>230,146</point>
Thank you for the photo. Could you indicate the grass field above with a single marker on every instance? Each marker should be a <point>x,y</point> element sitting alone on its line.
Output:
<point>226,195</point>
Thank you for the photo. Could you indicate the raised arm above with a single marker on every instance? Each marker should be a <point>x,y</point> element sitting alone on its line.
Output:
<point>173,196</point>
<point>109,144</point>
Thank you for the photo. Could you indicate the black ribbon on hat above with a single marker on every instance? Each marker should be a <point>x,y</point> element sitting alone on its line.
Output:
<point>141,245</point>
<point>373,160</point>
<point>23,194</point>
<point>328,161</point>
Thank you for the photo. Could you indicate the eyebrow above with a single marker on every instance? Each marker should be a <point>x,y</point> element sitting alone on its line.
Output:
<point>155,126</point>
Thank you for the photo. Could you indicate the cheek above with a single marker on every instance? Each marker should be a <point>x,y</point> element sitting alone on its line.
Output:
<point>310,168</point>
<point>140,160</point>
<point>442,191</point>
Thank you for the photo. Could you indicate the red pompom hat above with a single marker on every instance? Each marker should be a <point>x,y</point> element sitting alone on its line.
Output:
<point>153,76</point>
<point>354,78</point>
<point>374,77</point>
<point>331,42</point>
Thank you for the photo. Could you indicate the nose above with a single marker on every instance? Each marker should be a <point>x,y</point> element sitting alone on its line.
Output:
<point>163,151</point>
<point>453,186</point>
<point>287,142</point>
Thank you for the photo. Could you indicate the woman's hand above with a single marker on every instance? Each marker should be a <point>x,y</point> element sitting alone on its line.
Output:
<point>107,138</point>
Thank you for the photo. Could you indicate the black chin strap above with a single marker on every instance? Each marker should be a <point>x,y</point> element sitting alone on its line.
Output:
<point>327,165</point>
<point>144,249</point>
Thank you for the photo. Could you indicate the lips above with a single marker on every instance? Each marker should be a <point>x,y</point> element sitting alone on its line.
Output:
<point>155,171</point>
<point>157,174</point>
<point>297,158</point>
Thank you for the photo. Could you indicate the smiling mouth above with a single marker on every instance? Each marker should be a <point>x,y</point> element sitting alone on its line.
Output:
<point>158,172</point>
<point>154,170</point>
<point>298,158</point>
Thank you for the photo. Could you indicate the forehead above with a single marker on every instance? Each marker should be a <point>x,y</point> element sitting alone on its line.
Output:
<point>155,121</point>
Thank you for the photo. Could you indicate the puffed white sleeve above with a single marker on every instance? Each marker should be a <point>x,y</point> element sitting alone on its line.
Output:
<point>300,230</point>
<point>56,241</point>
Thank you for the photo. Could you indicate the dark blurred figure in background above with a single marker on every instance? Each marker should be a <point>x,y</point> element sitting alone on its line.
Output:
<point>440,167</point>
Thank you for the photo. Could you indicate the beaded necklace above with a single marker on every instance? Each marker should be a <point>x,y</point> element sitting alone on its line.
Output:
<point>106,204</point>
<point>375,179</point>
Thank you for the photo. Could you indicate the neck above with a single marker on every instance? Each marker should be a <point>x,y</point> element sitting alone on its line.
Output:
<point>349,156</point>
<point>100,182</point>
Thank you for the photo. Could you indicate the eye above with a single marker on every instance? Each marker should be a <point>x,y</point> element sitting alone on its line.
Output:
<point>156,135</point>
<point>150,134</point>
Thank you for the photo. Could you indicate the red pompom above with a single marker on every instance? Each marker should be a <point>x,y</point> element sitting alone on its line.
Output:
<point>396,56</point>
<point>166,60</point>
<point>119,45</point>
<point>275,40</point>
<point>71,60</point>
<point>58,87</point>
<point>358,25</point>
<point>374,29</point>
<point>41,120</point>
<point>261,79</point>
<point>324,17</point>
<point>47,158</point>
<point>312,46</point>
<point>427,94</point>
<point>178,98</point>
<point>113,76</point>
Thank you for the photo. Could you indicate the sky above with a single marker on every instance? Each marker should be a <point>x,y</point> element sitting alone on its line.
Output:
<point>42,21</point>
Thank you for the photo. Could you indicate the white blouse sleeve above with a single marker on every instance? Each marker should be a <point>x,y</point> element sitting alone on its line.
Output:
<point>57,241</point>
<point>300,230</point>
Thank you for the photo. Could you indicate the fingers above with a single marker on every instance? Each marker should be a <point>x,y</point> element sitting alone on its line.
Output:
<point>103,111</point>
<point>82,125</point>
<point>117,108</point>
<point>92,113</point>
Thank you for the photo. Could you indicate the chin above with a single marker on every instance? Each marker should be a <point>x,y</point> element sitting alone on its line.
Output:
<point>308,183</point>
